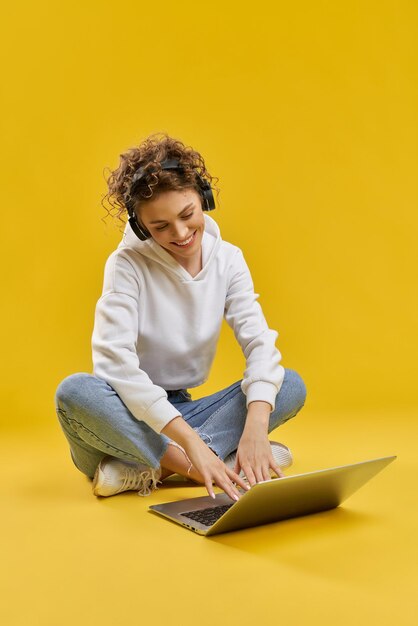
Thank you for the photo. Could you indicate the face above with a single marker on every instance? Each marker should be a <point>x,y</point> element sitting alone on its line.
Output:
<point>172,218</point>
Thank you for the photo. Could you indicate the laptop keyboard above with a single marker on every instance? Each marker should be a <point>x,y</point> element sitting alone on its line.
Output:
<point>208,516</point>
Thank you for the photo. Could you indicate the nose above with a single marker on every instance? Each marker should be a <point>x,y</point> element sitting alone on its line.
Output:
<point>180,232</point>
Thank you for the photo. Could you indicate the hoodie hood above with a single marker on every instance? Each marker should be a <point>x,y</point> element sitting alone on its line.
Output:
<point>149,248</point>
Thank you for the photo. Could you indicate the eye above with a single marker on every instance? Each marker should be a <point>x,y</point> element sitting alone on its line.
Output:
<point>185,217</point>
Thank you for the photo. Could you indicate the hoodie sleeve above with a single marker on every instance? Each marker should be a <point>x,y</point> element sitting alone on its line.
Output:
<point>263,375</point>
<point>114,339</point>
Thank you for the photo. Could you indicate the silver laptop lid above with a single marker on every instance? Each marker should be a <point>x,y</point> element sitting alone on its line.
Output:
<point>279,498</point>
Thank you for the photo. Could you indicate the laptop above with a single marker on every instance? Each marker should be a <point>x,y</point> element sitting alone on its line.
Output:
<point>272,500</point>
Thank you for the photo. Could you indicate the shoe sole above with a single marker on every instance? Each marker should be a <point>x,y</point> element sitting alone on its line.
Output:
<point>96,479</point>
<point>276,444</point>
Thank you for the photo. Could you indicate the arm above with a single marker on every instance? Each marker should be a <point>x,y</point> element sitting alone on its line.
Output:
<point>114,340</point>
<point>263,375</point>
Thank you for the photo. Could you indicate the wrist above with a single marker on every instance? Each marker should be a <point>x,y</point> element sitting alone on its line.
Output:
<point>259,407</point>
<point>258,414</point>
<point>180,431</point>
<point>255,425</point>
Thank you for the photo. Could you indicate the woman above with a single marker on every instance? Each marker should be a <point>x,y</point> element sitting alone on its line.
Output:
<point>167,287</point>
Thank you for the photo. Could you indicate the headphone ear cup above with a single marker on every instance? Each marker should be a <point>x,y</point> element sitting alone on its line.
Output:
<point>207,194</point>
<point>142,233</point>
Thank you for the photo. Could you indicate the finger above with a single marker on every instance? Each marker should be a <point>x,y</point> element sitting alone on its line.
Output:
<point>237,479</point>
<point>228,487</point>
<point>250,475</point>
<point>266,472</point>
<point>237,467</point>
<point>208,484</point>
<point>277,470</point>
<point>258,474</point>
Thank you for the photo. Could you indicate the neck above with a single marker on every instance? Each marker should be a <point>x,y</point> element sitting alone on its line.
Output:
<point>193,265</point>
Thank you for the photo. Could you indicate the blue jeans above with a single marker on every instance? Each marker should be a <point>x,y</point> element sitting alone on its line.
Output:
<point>97,423</point>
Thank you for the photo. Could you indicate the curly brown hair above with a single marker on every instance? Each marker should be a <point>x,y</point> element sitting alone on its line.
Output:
<point>149,154</point>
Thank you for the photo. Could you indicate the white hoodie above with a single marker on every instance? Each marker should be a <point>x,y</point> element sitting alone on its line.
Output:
<point>156,327</point>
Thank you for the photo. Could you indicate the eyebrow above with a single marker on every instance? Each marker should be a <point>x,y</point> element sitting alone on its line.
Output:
<point>182,211</point>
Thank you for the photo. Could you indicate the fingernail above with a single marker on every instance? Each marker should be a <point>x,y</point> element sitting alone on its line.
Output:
<point>213,495</point>
<point>235,496</point>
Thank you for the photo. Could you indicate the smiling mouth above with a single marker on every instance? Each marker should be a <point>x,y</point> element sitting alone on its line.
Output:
<point>187,242</point>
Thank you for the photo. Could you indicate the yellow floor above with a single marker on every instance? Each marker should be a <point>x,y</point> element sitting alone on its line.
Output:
<point>71,558</point>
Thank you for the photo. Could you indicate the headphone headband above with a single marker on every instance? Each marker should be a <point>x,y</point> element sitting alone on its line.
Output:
<point>169,164</point>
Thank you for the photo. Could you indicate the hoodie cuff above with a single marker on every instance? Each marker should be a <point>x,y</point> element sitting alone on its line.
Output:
<point>261,390</point>
<point>160,413</point>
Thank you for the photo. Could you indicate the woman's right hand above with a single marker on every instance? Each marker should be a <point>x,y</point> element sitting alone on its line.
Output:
<point>213,469</point>
<point>210,467</point>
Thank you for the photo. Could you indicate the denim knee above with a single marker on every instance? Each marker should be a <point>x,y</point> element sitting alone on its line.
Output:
<point>71,386</point>
<point>298,387</point>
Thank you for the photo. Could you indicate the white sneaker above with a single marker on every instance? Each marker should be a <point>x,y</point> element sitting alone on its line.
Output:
<point>281,454</point>
<point>113,476</point>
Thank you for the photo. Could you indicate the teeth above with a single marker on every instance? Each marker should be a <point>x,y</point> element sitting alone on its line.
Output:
<point>184,243</point>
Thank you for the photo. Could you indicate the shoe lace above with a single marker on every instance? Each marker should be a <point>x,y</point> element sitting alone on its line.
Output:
<point>144,482</point>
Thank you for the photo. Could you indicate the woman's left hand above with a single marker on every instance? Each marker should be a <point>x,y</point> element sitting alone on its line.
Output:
<point>254,456</point>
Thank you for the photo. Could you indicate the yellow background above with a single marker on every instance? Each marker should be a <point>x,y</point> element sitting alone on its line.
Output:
<point>307,113</point>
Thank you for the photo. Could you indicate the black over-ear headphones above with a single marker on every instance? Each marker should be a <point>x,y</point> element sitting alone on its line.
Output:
<point>169,164</point>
